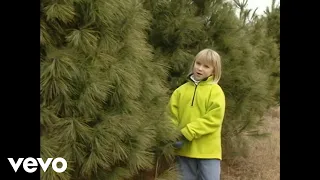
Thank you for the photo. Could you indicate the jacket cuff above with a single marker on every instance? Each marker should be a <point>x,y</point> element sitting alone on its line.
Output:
<point>185,132</point>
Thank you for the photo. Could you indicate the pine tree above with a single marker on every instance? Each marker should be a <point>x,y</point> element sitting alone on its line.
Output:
<point>102,94</point>
<point>268,58</point>
<point>272,18</point>
<point>273,21</point>
<point>181,28</point>
<point>175,34</point>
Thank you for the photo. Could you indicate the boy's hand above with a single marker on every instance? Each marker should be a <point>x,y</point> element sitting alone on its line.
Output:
<point>180,143</point>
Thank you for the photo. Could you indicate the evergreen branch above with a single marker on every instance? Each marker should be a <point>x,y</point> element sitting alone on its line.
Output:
<point>72,130</point>
<point>146,136</point>
<point>62,12</point>
<point>92,98</point>
<point>64,106</point>
<point>45,38</point>
<point>82,130</point>
<point>57,30</point>
<point>103,61</point>
<point>83,39</point>
<point>48,147</point>
<point>78,152</point>
<point>47,117</point>
<point>57,74</point>
<point>120,126</point>
<point>119,173</point>
<point>167,151</point>
<point>140,159</point>
<point>120,151</point>
<point>171,173</point>
<point>90,165</point>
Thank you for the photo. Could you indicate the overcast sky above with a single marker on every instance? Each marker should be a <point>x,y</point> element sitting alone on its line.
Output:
<point>260,4</point>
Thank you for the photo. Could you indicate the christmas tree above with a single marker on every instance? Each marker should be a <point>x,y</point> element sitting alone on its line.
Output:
<point>102,94</point>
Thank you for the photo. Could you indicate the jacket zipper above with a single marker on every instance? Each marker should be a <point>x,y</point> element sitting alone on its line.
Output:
<point>194,93</point>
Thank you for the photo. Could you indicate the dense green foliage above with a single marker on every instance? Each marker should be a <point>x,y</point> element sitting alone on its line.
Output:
<point>109,67</point>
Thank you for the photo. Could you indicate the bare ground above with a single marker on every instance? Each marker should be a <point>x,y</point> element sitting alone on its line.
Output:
<point>263,162</point>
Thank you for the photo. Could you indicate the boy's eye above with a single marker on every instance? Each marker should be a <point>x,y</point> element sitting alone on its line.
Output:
<point>206,66</point>
<point>198,63</point>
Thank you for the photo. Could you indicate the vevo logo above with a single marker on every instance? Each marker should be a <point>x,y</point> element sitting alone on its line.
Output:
<point>29,163</point>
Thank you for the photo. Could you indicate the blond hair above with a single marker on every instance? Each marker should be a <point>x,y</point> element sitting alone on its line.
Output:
<point>211,57</point>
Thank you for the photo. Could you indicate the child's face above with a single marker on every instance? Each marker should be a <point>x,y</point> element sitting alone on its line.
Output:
<point>202,70</point>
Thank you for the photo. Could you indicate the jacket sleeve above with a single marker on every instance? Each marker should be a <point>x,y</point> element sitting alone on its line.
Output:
<point>172,108</point>
<point>209,122</point>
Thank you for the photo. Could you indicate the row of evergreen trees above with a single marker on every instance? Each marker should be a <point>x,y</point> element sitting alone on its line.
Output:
<point>109,67</point>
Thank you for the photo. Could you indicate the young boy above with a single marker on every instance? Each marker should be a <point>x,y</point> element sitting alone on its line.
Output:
<point>197,108</point>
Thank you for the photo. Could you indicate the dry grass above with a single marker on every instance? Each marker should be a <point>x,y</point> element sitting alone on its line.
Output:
<point>263,162</point>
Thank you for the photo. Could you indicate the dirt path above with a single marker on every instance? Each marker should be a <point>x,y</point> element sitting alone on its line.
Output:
<point>264,160</point>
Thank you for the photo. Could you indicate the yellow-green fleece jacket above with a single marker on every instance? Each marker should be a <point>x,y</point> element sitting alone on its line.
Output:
<point>198,111</point>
